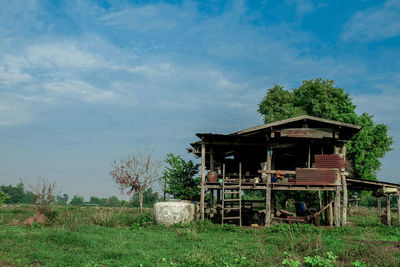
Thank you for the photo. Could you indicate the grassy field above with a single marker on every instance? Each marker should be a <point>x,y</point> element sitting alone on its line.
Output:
<point>122,237</point>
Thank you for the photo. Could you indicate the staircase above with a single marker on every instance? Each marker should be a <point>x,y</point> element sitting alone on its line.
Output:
<point>232,199</point>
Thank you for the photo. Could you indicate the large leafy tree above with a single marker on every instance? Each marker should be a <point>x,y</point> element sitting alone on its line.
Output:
<point>179,178</point>
<point>320,98</point>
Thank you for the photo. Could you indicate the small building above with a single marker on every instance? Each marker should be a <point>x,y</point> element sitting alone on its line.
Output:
<point>304,153</point>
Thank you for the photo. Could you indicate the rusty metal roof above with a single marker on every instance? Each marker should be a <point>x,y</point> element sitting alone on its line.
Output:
<point>329,161</point>
<point>322,176</point>
<point>296,119</point>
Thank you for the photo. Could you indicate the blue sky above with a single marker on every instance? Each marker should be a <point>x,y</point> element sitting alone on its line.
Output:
<point>84,82</point>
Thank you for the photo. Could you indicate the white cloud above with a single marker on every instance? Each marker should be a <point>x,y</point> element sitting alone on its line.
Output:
<point>79,90</point>
<point>302,7</point>
<point>62,55</point>
<point>12,70</point>
<point>158,69</point>
<point>12,114</point>
<point>374,24</point>
<point>146,18</point>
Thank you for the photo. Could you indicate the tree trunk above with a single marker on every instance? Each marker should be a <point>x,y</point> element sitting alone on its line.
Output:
<point>141,201</point>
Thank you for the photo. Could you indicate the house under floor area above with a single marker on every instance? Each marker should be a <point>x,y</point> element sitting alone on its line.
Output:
<point>286,158</point>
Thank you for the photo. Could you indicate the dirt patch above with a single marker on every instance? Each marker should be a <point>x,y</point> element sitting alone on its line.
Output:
<point>377,242</point>
<point>6,263</point>
<point>15,222</point>
<point>36,218</point>
<point>35,263</point>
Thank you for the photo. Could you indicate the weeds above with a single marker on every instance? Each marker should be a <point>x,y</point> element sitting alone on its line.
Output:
<point>101,236</point>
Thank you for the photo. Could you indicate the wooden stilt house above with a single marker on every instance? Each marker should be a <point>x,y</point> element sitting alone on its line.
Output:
<point>304,153</point>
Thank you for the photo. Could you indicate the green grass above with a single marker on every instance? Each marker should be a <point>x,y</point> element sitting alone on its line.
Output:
<point>83,242</point>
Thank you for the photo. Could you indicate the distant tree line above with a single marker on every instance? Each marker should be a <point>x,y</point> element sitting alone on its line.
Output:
<point>10,194</point>
<point>17,194</point>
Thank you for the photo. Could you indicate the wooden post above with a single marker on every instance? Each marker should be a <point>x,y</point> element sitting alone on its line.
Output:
<point>330,214</point>
<point>345,200</point>
<point>273,202</point>
<point>378,208</point>
<point>398,209</point>
<point>239,194</point>
<point>335,149</point>
<point>325,196</point>
<point>388,218</point>
<point>203,179</point>
<point>344,185</point>
<point>218,195</point>
<point>309,156</point>
<point>337,206</point>
<point>211,169</point>
<point>320,199</point>
<point>268,191</point>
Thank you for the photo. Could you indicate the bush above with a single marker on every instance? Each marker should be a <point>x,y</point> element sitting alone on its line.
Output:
<point>3,197</point>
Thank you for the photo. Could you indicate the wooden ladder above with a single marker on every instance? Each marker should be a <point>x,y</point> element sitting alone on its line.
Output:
<point>231,197</point>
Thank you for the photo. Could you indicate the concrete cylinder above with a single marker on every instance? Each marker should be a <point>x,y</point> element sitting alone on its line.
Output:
<point>171,212</point>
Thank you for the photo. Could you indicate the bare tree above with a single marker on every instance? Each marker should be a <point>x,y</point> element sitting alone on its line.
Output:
<point>136,172</point>
<point>44,195</point>
<point>44,192</point>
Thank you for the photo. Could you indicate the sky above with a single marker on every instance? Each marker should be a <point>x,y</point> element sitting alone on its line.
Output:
<point>86,82</point>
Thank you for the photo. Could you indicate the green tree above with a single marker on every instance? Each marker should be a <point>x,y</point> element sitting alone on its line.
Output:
<point>113,201</point>
<point>179,177</point>
<point>62,200</point>
<point>95,200</point>
<point>77,201</point>
<point>3,197</point>
<point>320,98</point>
<point>17,194</point>
<point>149,198</point>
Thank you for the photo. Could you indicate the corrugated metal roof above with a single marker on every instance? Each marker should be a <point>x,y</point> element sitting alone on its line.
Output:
<point>299,118</point>
<point>325,176</point>
<point>329,161</point>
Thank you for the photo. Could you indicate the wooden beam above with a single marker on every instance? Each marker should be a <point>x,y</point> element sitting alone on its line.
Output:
<point>388,218</point>
<point>234,143</point>
<point>274,171</point>
<point>203,179</point>
<point>277,187</point>
<point>307,132</point>
<point>373,183</point>
<point>337,206</point>
<point>309,156</point>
